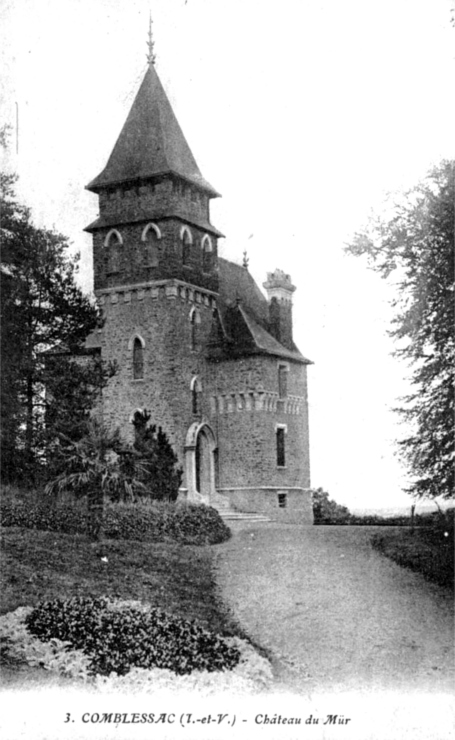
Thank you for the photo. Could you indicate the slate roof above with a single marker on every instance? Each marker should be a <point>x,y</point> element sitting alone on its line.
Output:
<point>243,327</point>
<point>151,143</point>
<point>244,319</point>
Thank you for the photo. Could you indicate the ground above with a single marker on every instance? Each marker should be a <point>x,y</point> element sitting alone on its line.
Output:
<point>348,632</point>
<point>336,614</point>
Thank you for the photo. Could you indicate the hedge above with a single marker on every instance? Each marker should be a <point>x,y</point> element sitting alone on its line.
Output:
<point>188,524</point>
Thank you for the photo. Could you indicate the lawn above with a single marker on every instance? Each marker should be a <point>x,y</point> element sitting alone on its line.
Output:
<point>40,565</point>
<point>426,550</point>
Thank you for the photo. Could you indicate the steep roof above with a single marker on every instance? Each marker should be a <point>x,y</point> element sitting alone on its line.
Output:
<point>151,142</point>
<point>244,319</point>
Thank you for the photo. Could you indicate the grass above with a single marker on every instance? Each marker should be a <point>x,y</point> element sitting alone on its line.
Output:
<point>426,550</point>
<point>39,565</point>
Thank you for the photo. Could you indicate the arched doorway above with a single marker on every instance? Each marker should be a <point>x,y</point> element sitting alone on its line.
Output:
<point>200,449</point>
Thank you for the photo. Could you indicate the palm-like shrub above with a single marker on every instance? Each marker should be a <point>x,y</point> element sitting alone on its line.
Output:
<point>96,467</point>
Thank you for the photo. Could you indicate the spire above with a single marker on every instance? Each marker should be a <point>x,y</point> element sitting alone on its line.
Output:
<point>151,143</point>
<point>151,58</point>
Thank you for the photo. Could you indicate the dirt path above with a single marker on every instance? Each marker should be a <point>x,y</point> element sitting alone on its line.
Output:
<point>336,614</point>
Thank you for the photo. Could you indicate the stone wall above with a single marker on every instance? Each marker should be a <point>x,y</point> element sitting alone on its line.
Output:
<point>131,258</point>
<point>160,315</point>
<point>280,504</point>
<point>246,410</point>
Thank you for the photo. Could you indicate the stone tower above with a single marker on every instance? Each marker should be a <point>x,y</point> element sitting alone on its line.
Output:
<point>195,340</point>
<point>155,265</point>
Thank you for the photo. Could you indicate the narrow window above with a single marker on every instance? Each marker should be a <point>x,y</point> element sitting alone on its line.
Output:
<point>282,501</point>
<point>138,359</point>
<point>195,320</point>
<point>282,381</point>
<point>195,400</point>
<point>186,247</point>
<point>113,243</point>
<point>152,248</point>
<point>280,447</point>
<point>196,391</point>
<point>207,254</point>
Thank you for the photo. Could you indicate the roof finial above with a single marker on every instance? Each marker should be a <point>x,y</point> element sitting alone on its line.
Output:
<point>246,261</point>
<point>151,54</point>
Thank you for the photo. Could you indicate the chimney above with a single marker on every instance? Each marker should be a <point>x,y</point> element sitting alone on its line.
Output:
<point>279,293</point>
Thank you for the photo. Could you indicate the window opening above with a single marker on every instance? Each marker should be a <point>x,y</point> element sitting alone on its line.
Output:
<point>186,247</point>
<point>138,359</point>
<point>282,500</point>
<point>195,319</point>
<point>280,447</point>
<point>113,243</point>
<point>282,381</point>
<point>152,248</point>
<point>206,254</point>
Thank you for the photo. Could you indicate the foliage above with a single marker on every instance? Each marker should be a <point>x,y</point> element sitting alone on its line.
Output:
<point>41,307</point>
<point>427,550</point>
<point>161,476</point>
<point>326,511</point>
<point>414,245</point>
<point>92,468</point>
<point>73,389</point>
<point>119,639</point>
<point>186,524</point>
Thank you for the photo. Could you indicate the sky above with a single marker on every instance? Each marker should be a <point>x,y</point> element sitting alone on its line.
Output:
<point>303,115</point>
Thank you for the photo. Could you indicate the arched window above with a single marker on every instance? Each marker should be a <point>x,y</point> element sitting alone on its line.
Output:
<point>113,243</point>
<point>187,240</point>
<point>151,237</point>
<point>196,390</point>
<point>138,359</point>
<point>207,254</point>
<point>195,320</point>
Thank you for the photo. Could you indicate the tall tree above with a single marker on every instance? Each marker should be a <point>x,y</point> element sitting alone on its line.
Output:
<point>413,245</point>
<point>41,306</point>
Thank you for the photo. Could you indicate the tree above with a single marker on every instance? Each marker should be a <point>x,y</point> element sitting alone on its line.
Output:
<point>74,385</point>
<point>41,307</point>
<point>413,244</point>
<point>326,511</point>
<point>98,466</point>
<point>160,475</point>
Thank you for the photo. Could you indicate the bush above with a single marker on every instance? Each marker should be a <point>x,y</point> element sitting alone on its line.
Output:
<point>118,639</point>
<point>187,524</point>
<point>326,511</point>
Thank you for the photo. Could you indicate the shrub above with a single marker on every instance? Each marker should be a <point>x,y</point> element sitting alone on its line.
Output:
<point>118,639</point>
<point>159,472</point>
<point>326,511</point>
<point>187,524</point>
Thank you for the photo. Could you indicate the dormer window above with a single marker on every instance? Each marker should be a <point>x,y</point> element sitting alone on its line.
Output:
<point>207,254</point>
<point>151,237</point>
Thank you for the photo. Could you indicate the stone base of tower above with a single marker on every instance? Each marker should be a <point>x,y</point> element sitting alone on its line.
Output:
<point>279,504</point>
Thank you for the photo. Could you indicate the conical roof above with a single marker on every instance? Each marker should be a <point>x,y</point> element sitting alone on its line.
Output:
<point>151,142</point>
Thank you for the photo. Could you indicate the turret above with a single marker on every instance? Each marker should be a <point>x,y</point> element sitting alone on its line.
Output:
<point>279,293</point>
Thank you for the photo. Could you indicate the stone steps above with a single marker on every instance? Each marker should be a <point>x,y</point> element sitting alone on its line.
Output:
<point>242,516</point>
